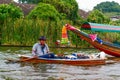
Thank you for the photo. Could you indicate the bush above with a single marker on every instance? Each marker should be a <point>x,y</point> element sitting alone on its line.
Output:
<point>45,12</point>
<point>10,11</point>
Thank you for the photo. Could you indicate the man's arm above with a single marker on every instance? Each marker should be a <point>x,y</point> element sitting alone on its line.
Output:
<point>34,50</point>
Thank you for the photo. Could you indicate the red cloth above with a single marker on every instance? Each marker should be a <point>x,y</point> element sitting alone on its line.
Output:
<point>93,37</point>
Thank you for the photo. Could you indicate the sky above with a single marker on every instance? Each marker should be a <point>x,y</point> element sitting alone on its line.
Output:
<point>88,5</point>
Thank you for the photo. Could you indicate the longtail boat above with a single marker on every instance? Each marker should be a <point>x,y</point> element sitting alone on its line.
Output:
<point>75,62</point>
<point>107,47</point>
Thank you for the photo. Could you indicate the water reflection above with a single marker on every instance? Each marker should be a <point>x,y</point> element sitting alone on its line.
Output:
<point>68,72</point>
<point>37,67</point>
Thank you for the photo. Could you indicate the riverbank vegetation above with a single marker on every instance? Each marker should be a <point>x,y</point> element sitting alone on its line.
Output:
<point>47,19</point>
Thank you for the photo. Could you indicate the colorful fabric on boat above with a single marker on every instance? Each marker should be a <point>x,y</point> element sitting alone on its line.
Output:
<point>64,36</point>
<point>93,37</point>
<point>99,40</point>
<point>69,27</point>
<point>100,27</point>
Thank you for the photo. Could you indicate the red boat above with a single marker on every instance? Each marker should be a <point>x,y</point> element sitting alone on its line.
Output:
<point>107,47</point>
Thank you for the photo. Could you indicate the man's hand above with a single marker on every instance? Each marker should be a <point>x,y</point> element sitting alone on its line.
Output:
<point>35,56</point>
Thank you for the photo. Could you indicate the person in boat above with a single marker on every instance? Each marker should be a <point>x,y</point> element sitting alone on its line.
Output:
<point>57,43</point>
<point>41,49</point>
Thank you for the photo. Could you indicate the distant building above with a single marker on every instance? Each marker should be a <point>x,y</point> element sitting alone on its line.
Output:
<point>5,1</point>
<point>115,18</point>
<point>83,14</point>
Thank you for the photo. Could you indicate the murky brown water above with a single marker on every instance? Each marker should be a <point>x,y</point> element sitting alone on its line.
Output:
<point>25,71</point>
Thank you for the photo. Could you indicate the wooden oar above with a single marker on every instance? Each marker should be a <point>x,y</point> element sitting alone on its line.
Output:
<point>20,60</point>
<point>24,60</point>
<point>11,60</point>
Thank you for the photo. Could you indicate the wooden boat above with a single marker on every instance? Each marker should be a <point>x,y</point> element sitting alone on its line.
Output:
<point>107,47</point>
<point>76,62</point>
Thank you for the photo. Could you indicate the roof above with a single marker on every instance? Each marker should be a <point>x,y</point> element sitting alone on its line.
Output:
<point>83,14</point>
<point>26,8</point>
<point>5,1</point>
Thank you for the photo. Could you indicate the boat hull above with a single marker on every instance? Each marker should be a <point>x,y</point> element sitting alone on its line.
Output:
<point>108,49</point>
<point>77,62</point>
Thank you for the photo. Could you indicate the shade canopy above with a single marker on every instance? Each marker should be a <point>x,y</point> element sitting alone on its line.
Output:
<point>100,27</point>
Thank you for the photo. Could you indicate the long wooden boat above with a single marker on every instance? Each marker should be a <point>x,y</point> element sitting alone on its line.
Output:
<point>76,62</point>
<point>107,47</point>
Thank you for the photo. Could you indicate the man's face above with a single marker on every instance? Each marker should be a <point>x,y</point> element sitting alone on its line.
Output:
<point>42,42</point>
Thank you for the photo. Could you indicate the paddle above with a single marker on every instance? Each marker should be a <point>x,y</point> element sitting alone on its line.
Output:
<point>20,60</point>
<point>24,60</point>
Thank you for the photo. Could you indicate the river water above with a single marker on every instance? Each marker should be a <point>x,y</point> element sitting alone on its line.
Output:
<point>25,71</point>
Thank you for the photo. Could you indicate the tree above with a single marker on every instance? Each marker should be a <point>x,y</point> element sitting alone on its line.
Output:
<point>67,8</point>
<point>108,7</point>
<point>9,11</point>
<point>97,17</point>
<point>45,12</point>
